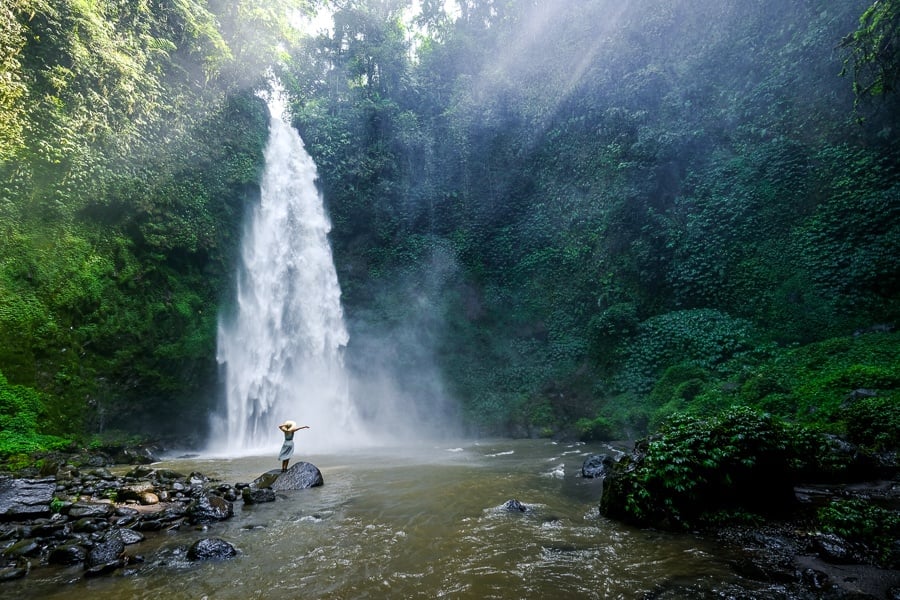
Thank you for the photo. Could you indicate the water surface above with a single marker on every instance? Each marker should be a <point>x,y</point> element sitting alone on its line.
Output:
<point>424,522</point>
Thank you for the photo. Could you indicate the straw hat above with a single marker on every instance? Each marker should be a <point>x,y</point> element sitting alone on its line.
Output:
<point>289,424</point>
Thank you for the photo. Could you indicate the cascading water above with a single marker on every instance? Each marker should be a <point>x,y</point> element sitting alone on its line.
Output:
<point>281,353</point>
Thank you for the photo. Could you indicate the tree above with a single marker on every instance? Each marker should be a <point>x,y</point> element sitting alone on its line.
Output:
<point>874,50</point>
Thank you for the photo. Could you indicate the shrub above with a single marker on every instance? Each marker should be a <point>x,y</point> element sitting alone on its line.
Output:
<point>596,429</point>
<point>860,521</point>
<point>20,411</point>
<point>695,469</point>
<point>874,422</point>
<point>702,338</point>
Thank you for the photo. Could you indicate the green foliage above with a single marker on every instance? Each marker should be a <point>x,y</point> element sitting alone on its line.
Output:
<point>875,422</point>
<point>590,430</point>
<point>682,199</point>
<point>22,421</point>
<point>678,387</point>
<point>861,521</point>
<point>696,468</point>
<point>873,50</point>
<point>616,240</point>
<point>701,338</point>
<point>56,505</point>
<point>810,383</point>
<point>132,155</point>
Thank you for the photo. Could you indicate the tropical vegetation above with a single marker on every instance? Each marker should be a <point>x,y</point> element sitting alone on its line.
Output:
<point>586,216</point>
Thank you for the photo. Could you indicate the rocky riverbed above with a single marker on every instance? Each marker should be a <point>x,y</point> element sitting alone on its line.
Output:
<point>89,516</point>
<point>101,523</point>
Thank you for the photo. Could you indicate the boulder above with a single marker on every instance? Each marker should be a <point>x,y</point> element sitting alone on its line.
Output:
<point>105,569</point>
<point>125,535</point>
<point>91,509</point>
<point>265,480</point>
<point>301,476</point>
<point>67,554</point>
<point>253,495</point>
<point>22,499</point>
<point>90,525</point>
<point>211,549</point>
<point>148,499</point>
<point>209,508</point>
<point>26,547</point>
<point>107,552</point>
<point>134,491</point>
<point>514,505</point>
<point>597,466</point>
<point>21,569</point>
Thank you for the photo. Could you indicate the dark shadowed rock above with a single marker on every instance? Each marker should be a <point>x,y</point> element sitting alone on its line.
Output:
<point>137,455</point>
<point>90,525</point>
<point>301,476</point>
<point>26,547</point>
<point>209,508</point>
<point>21,569</point>
<point>80,510</point>
<point>125,535</point>
<point>266,479</point>
<point>211,549</point>
<point>22,499</point>
<point>104,553</point>
<point>253,495</point>
<point>833,548</point>
<point>597,465</point>
<point>67,554</point>
<point>105,568</point>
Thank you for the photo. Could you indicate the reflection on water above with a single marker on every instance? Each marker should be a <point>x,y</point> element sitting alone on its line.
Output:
<point>410,523</point>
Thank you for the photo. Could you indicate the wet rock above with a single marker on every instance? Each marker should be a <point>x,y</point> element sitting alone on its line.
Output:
<point>597,466</point>
<point>27,547</point>
<point>211,549</point>
<point>134,491</point>
<point>266,479</point>
<point>104,553</point>
<point>67,554</point>
<point>140,472</point>
<point>91,509</point>
<point>55,527</point>
<point>22,499</point>
<point>209,508</point>
<point>514,505</point>
<point>21,569</point>
<point>300,476</point>
<point>150,525</point>
<point>815,580</point>
<point>90,525</point>
<point>137,455</point>
<point>148,499</point>
<point>105,568</point>
<point>102,473</point>
<point>168,475</point>
<point>833,548</point>
<point>252,495</point>
<point>126,536</point>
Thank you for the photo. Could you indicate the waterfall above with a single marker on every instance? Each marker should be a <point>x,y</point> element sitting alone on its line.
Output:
<point>281,352</point>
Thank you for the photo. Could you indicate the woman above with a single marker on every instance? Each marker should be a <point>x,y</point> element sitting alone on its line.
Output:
<point>287,449</point>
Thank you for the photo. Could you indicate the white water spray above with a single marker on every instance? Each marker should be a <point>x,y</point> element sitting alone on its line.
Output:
<point>282,352</point>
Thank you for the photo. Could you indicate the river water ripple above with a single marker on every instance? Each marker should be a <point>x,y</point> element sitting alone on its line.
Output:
<point>423,522</point>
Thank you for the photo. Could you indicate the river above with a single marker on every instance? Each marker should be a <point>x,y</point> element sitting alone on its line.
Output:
<point>422,522</point>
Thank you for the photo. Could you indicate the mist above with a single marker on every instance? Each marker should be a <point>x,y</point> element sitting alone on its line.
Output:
<point>393,355</point>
